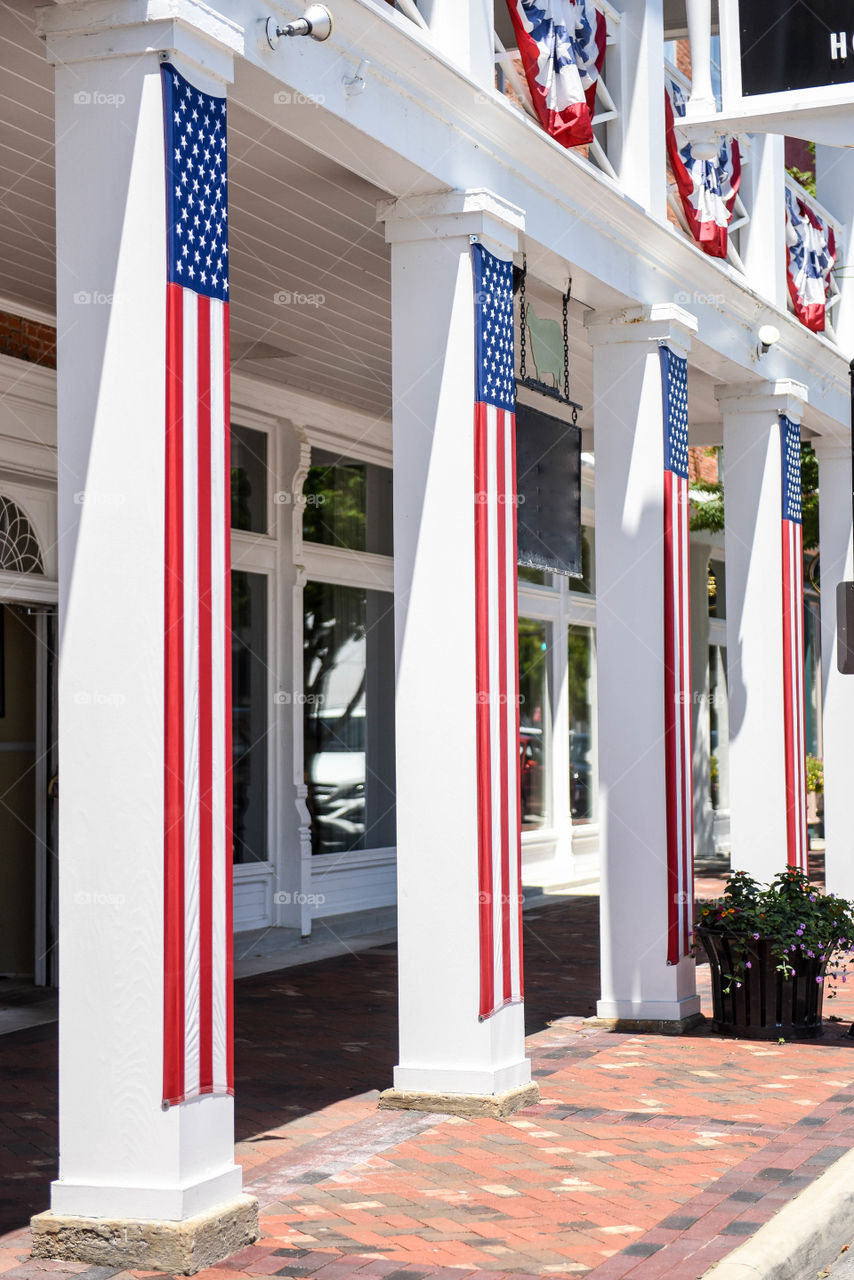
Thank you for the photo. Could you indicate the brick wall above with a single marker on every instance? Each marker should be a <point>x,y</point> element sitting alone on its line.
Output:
<point>27,340</point>
<point>703,465</point>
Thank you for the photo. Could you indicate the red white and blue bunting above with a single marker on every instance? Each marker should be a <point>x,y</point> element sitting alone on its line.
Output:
<point>562,43</point>
<point>707,188</point>
<point>810,255</point>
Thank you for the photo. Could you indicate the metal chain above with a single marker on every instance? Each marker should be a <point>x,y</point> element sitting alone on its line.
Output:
<point>566,298</point>
<point>523,354</point>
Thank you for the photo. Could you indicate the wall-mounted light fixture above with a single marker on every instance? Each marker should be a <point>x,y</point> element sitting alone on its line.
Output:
<point>315,22</point>
<point>767,334</point>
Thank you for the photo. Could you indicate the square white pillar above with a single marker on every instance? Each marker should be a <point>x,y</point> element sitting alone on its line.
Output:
<point>753,506</point>
<point>837,565</point>
<point>638,983</point>
<point>445,1047</point>
<point>127,1161</point>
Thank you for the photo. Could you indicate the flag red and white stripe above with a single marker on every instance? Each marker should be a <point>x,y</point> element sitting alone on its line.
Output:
<point>679,797</point>
<point>496,638</point>
<point>197,1027</point>
<point>793,645</point>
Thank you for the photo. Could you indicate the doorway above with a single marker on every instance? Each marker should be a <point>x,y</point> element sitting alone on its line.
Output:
<point>28,799</point>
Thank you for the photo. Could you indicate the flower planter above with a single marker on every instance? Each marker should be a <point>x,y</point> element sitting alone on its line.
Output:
<point>767,1005</point>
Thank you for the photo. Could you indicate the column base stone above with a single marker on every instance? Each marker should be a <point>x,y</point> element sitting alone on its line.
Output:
<point>496,1105</point>
<point>182,1248</point>
<point>652,1026</point>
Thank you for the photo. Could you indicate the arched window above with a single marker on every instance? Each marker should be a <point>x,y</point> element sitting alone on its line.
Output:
<point>19,547</point>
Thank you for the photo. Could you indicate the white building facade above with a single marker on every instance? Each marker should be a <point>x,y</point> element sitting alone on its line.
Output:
<point>360,171</point>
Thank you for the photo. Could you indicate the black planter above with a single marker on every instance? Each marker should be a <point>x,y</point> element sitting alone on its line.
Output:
<point>767,1005</point>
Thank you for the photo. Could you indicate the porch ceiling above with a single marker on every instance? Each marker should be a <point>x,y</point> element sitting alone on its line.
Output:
<point>310,284</point>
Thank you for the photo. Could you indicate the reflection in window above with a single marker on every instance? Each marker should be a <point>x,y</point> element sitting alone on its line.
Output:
<point>812,672</point>
<point>249,714</point>
<point>585,582</point>
<point>539,577</point>
<point>248,479</point>
<point>717,589</point>
<point>719,727</point>
<point>582,746</point>
<point>534,727</point>
<point>348,666</point>
<point>348,504</point>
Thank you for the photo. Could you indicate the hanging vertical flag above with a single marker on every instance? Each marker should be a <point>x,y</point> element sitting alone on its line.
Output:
<point>496,637</point>
<point>793,645</point>
<point>562,44</point>
<point>707,188</point>
<point>810,255</point>
<point>197,1031</point>
<point>677,659</point>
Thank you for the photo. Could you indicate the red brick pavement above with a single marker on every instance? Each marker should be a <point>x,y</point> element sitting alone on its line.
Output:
<point>646,1156</point>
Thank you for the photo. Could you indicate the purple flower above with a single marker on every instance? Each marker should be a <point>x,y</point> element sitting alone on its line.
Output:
<point>749,965</point>
<point>756,935</point>
<point>738,984</point>
<point>812,897</point>
<point>819,978</point>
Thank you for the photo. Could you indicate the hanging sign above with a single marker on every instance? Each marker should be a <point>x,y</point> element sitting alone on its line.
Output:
<point>548,483</point>
<point>786,46</point>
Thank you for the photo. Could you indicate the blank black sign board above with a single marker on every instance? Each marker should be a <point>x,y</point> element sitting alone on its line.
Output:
<point>548,477</point>
<point>789,44</point>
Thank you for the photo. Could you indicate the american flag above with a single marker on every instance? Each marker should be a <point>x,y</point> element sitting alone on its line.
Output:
<point>810,256</point>
<point>793,645</point>
<point>677,659</point>
<point>496,639</point>
<point>707,188</point>
<point>562,45</point>
<point>197,1030</point>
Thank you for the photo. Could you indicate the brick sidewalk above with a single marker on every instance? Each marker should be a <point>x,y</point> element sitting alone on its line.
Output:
<point>646,1156</point>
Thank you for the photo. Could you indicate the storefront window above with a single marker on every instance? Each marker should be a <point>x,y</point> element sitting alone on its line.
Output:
<point>250,719</point>
<point>249,480</point>
<point>582,745</point>
<point>812,670</point>
<point>585,582</point>
<point>716,586</point>
<point>719,726</point>
<point>348,504</point>
<point>534,721</point>
<point>537,576</point>
<point>348,666</point>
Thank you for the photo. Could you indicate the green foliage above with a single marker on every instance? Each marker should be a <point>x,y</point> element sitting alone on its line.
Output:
<point>804,177</point>
<point>792,913</point>
<point>709,515</point>
<point>815,774</point>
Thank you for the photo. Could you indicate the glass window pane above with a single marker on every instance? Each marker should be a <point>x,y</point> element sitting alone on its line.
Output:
<point>250,717</point>
<point>534,721</point>
<point>719,727</point>
<point>582,744</point>
<point>717,589</point>
<point>585,582</point>
<point>538,576</point>
<point>348,666</point>
<point>348,504</point>
<point>249,480</point>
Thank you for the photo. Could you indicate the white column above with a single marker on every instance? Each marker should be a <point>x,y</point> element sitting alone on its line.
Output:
<point>123,1155</point>
<point>464,31</point>
<point>834,182</point>
<point>754,602</point>
<point>637,982</point>
<point>699,15</point>
<point>638,153</point>
<point>837,565</point>
<point>764,238</point>
<point>444,1048</point>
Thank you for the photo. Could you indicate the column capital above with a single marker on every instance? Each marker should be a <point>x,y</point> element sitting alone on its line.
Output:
<point>660,322</point>
<point>442,214</point>
<point>781,395</point>
<point>204,41</point>
<point>831,449</point>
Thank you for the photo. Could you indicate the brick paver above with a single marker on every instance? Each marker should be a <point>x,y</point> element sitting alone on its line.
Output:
<point>647,1156</point>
